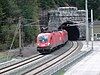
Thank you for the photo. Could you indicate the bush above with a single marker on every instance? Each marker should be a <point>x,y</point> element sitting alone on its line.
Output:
<point>6,36</point>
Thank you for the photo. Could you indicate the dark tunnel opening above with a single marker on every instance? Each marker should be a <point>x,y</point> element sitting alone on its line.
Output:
<point>73,31</point>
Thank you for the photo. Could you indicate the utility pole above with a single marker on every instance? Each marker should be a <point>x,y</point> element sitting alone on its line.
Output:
<point>87,28</point>
<point>92,32</point>
<point>20,38</point>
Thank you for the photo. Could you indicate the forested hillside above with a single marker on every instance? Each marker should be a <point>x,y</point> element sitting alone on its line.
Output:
<point>92,4</point>
<point>11,10</point>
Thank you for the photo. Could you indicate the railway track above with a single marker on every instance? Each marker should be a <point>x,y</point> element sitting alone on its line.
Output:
<point>39,69</point>
<point>11,69</point>
<point>20,63</point>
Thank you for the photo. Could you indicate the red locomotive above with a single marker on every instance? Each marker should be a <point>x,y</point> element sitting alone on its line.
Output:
<point>46,42</point>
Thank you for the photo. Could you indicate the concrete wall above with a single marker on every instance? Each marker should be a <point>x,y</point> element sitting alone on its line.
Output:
<point>96,30</point>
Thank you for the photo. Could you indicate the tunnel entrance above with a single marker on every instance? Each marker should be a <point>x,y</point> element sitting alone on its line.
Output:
<point>73,31</point>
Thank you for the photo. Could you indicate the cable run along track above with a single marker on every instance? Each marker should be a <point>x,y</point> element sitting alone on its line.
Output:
<point>38,68</point>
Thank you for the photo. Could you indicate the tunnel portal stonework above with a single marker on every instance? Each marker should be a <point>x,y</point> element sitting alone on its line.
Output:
<point>70,19</point>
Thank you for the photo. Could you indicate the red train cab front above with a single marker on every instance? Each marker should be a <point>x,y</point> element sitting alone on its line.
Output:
<point>43,42</point>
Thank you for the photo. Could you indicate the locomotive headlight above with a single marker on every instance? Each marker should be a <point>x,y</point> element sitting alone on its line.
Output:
<point>38,44</point>
<point>48,43</point>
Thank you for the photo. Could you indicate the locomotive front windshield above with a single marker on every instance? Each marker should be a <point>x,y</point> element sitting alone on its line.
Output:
<point>43,39</point>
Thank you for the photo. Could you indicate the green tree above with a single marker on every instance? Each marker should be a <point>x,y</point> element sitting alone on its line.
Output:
<point>30,10</point>
<point>1,13</point>
<point>14,9</point>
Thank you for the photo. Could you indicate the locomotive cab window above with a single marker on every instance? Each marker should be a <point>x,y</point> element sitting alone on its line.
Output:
<point>43,39</point>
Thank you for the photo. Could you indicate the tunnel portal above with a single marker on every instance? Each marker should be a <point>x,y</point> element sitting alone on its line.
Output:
<point>73,31</point>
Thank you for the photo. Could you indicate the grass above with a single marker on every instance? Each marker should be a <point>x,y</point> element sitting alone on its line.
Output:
<point>3,57</point>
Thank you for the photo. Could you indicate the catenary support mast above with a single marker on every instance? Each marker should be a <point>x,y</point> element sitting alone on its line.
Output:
<point>87,28</point>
